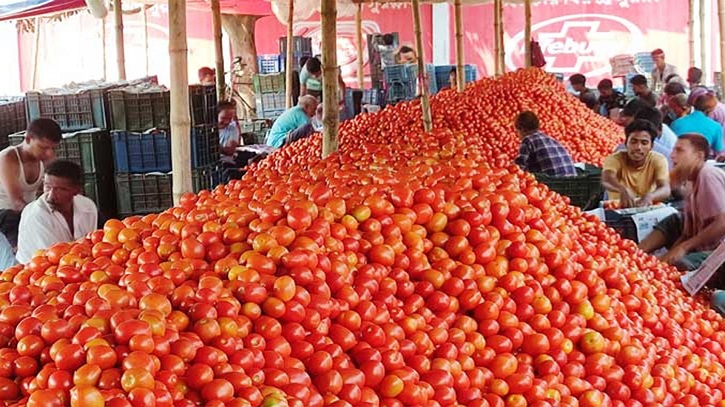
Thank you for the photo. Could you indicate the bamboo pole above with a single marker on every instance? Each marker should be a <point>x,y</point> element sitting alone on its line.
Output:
<point>104,51</point>
<point>703,49</point>
<point>216,22</point>
<point>691,30</point>
<point>527,33</point>
<point>180,121</point>
<point>502,44</point>
<point>721,23</point>
<point>460,69</point>
<point>496,38</point>
<point>290,54</point>
<point>36,53</point>
<point>120,53</point>
<point>145,39</point>
<point>359,41</point>
<point>330,111</point>
<point>422,74</point>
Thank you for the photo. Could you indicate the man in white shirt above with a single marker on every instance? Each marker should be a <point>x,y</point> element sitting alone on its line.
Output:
<point>59,215</point>
<point>661,71</point>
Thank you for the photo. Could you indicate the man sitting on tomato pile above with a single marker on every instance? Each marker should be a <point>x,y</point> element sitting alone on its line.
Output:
<point>637,176</point>
<point>692,236</point>
<point>540,153</point>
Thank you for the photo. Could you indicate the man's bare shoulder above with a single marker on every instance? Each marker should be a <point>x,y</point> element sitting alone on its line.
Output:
<point>8,158</point>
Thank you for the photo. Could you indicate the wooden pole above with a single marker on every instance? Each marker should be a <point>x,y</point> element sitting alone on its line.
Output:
<point>120,53</point>
<point>422,74</point>
<point>703,36</point>
<point>330,111</point>
<point>36,53</point>
<point>502,44</point>
<point>691,30</point>
<point>359,41</point>
<point>496,39</point>
<point>527,33</point>
<point>721,23</point>
<point>145,39</point>
<point>180,121</point>
<point>460,58</point>
<point>216,22</point>
<point>289,66</point>
<point>104,50</point>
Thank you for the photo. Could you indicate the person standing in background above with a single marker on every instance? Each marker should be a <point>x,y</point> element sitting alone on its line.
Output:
<point>661,70</point>
<point>207,76</point>
<point>642,91</point>
<point>311,78</point>
<point>587,96</point>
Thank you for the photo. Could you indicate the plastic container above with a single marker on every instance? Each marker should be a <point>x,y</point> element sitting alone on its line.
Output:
<point>583,190</point>
<point>12,118</point>
<point>622,224</point>
<point>139,111</point>
<point>299,45</point>
<point>272,83</point>
<point>270,64</point>
<point>373,97</point>
<point>442,73</point>
<point>73,112</point>
<point>202,102</point>
<point>101,189</point>
<point>151,151</point>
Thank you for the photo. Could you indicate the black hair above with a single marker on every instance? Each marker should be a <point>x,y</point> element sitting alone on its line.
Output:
<point>638,80</point>
<point>641,125</point>
<point>652,115</point>
<point>671,77</point>
<point>314,65</point>
<point>527,121</point>
<point>66,170</point>
<point>406,49</point>
<point>578,79</point>
<point>224,105</point>
<point>674,88</point>
<point>633,107</point>
<point>453,70</point>
<point>388,39</point>
<point>699,142</point>
<point>45,128</point>
<point>694,74</point>
<point>605,84</point>
<point>304,59</point>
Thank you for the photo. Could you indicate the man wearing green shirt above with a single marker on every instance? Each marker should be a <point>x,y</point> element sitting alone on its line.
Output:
<point>293,124</point>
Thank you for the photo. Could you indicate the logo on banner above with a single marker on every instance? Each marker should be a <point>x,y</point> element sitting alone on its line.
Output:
<point>579,43</point>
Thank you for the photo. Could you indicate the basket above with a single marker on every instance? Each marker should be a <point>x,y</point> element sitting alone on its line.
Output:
<point>272,83</point>
<point>583,190</point>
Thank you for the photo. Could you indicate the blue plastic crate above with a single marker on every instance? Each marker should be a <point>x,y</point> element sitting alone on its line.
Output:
<point>400,91</point>
<point>409,74</point>
<point>442,73</point>
<point>270,64</point>
<point>373,97</point>
<point>295,60</point>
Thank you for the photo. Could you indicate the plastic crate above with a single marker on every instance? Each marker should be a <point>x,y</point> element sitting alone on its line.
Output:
<point>400,91</point>
<point>101,189</point>
<point>259,137</point>
<point>254,126</point>
<point>296,57</point>
<point>12,118</point>
<point>622,224</point>
<point>269,64</point>
<point>399,73</point>
<point>299,45</point>
<point>139,111</point>
<point>271,101</point>
<point>147,193</point>
<point>273,83</point>
<point>408,74</point>
<point>79,111</point>
<point>204,146</point>
<point>373,97</point>
<point>580,189</point>
<point>443,72</point>
<point>202,102</point>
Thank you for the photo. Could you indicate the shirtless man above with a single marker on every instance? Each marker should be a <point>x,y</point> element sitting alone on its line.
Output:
<point>21,172</point>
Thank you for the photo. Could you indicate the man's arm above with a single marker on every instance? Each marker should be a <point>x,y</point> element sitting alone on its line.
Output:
<point>611,183</point>
<point>523,158</point>
<point>660,194</point>
<point>9,175</point>
<point>715,230</point>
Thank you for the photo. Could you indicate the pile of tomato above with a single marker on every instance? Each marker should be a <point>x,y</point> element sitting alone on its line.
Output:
<point>408,269</point>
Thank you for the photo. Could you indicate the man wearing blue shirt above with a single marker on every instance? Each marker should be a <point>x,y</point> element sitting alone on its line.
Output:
<point>293,124</point>
<point>694,121</point>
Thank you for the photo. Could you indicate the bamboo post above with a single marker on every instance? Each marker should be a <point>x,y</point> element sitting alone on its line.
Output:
<point>216,22</point>
<point>703,49</point>
<point>721,23</point>
<point>36,53</point>
<point>145,39</point>
<point>496,39</point>
<point>460,69</point>
<point>359,41</point>
<point>104,51</point>
<point>691,30</point>
<point>502,44</point>
<point>330,111</point>
<point>120,53</point>
<point>527,33</point>
<point>422,74</point>
<point>180,121</point>
<point>289,66</point>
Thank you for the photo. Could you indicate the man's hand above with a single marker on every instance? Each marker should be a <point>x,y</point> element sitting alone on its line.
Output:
<point>675,254</point>
<point>645,201</point>
<point>626,198</point>
<point>720,157</point>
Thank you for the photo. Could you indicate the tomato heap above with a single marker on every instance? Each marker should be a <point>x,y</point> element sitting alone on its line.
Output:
<point>407,269</point>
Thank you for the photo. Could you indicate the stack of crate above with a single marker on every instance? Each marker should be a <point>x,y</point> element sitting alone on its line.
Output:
<point>142,147</point>
<point>12,118</point>
<point>443,75</point>
<point>255,131</point>
<point>301,47</point>
<point>401,82</point>
<point>374,59</point>
<point>269,91</point>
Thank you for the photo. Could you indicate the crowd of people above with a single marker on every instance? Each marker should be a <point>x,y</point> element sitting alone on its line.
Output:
<point>672,129</point>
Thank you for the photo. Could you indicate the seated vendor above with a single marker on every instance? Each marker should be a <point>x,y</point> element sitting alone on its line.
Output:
<point>230,136</point>
<point>692,236</point>
<point>637,176</point>
<point>293,124</point>
<point>540,153</point>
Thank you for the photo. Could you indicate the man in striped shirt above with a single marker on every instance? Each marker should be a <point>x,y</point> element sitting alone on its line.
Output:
<point>540,153</point>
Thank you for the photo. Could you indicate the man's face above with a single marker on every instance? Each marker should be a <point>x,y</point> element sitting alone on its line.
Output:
<point>639,144</point>
<point>225,117</point>
<point>408,58</point>
<point>639,89</point>
<point>659,60</point>
<point>625,120</point>
<point>41,148</point>
<point>578,87</point>
<point>606,92</point>
<point>685,159</point>
<point>675,107</point>
<point>59,191</point>
<point>310,109</point>
<point>208,79</point>
<point>710,103</point>
<point>453,79</point>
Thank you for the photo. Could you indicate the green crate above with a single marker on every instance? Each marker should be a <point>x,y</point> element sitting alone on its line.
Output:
<point>139,111</point>
<point>12,119</point>
<point>100,189</point>
<point>583,190</point>
<point>91,149</point>
<point>72,112</point>
<point>271,83</point>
